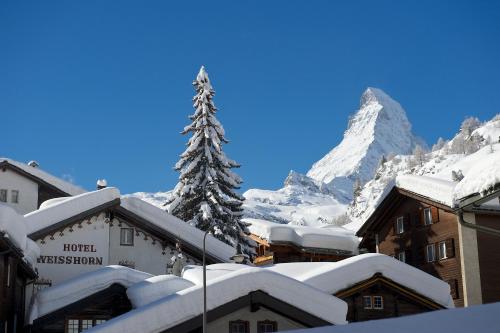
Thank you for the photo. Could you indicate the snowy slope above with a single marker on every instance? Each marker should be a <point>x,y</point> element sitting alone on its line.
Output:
<point>439,164</point>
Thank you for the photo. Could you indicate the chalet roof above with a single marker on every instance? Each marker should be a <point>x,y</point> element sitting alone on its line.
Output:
<point>84,285</point>
<point>333,277</point>
<point>438,190</point>
<point>41,177</point>
<point>185,305</point>
<point>61,212</point>
<point>334,238</point>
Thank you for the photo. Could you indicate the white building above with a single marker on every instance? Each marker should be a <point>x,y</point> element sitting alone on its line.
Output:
<point>25,186</point>
<point>82,233</point>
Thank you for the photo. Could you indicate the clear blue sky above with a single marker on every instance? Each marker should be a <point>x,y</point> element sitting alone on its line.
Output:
<point>102,88</point>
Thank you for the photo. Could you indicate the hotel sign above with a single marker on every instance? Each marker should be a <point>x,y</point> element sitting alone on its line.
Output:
<point>80,254</point>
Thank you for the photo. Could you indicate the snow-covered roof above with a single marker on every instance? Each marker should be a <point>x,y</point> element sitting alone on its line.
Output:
<point>14,227</point>
<point>480,318</point>
<point>61,210</point>
<point>186,304</point>
<point>84,285</point>
<point>438,190</point>
<point>62,185</point>
<point>156,287</point>
<point>335,238</point>
<point>480,178</point>
<point>177,227</point>
<point>332,277</point>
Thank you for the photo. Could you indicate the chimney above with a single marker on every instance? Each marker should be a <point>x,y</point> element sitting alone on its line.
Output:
<point>101,183</point>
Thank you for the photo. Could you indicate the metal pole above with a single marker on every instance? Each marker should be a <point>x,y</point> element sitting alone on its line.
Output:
<point>204,286</point>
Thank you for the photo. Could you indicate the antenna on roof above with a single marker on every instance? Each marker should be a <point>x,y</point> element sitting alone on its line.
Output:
<point>33,164</point>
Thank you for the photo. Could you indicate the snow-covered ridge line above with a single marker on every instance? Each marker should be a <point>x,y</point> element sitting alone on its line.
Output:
<point>438,190</point>
<point>171,310</point>
<point>60,210</point>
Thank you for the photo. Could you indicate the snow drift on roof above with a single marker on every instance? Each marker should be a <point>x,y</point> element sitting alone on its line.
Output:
<point>156,287</point>
<point>336,238</point>
<point>84,285</point>
<point>13,225</point>
<point>54,181</point>
<point>186,304</point>
<point>438,190</point>
<point>175,226</point>
<point>59,211</point>
<point>479,318</point>
<point>332,277</point>
<point>480,178</point>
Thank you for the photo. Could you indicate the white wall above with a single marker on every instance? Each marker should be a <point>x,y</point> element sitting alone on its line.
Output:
<point>221,325</point>
<point>28,191</point>
<point>92,250</point>
<point>145,255</point>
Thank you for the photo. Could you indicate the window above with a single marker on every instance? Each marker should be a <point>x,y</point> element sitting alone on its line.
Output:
<point>427,216</point>
<point>367,302</point>
<point>442,250</point>
<point>378,302</point>
<point>80,325</point>
<point>14,196</point>
<point>3,195</point>
<point>127,236</point>
<point>239,326</point>
<point>400,225</point>
<point>73,326</point>
<point>267,326</point>
<point>86,324</point>
<point>430,253</point>
<point>402,256</point>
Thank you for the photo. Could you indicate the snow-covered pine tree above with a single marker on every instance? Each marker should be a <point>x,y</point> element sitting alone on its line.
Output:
<point>205,196</point>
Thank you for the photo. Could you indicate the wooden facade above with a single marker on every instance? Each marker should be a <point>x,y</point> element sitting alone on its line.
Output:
<point>380,297</point>
<point>425,234</point>
<point>15,274</point>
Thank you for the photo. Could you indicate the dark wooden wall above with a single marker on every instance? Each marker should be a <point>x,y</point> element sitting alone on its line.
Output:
<point>417,236</point>
<point>289,253</point>
<point>395,304</point>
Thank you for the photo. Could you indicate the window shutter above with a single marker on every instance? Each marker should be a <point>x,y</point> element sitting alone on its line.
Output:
<point>435,214</point>
<point>450,248</point>
<point>408,256</point>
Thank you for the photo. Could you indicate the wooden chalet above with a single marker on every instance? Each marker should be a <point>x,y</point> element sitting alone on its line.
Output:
<point>457,244</point>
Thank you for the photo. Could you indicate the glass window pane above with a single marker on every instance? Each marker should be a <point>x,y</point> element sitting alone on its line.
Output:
<point>14,196</point>
<point>428,216</point>
<point>72,326</point>
<point>367,302</point>
<point>86,324</point>
<point>378,302</point>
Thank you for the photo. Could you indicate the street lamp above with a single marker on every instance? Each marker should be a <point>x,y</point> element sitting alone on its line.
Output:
<point>237,258</point>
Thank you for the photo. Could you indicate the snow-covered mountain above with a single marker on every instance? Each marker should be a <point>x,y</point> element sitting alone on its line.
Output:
<point>379,128</point>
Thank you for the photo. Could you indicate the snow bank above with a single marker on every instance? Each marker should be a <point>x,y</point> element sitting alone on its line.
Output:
<point>438,190</point>
<point>332,277</point>
<point>61,210</point>
<point>335,238</point>
<point>72,290</point>
<point>479,318</point>
<point>481,177</point>
<point>156,287</point>
<point>186,304</point>
<point>177,227</point>
<point>54,181</point>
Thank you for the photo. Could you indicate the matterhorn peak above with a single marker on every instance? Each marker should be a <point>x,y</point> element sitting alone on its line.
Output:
<point>379,128</point>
